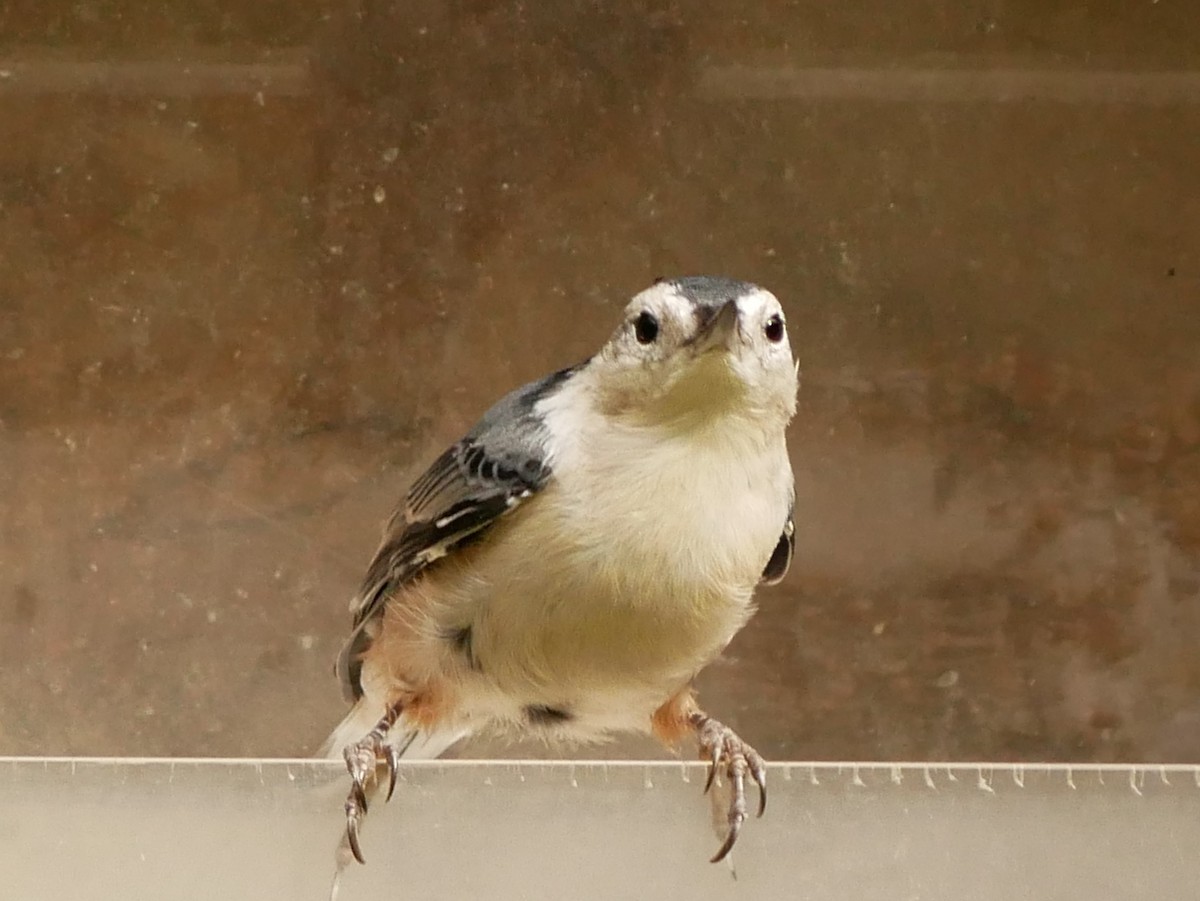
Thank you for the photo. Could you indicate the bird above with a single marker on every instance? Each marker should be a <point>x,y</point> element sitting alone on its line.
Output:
<point>568,567</point>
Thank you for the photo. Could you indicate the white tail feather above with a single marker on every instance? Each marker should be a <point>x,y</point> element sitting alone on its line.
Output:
<point>413,744</point>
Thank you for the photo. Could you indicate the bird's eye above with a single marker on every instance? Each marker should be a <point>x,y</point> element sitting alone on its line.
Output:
<point>645,327</point>
<point>774,329</point>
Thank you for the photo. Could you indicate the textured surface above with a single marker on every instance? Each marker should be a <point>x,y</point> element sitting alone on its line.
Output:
<point>240,310</point>
<point>592,831</point>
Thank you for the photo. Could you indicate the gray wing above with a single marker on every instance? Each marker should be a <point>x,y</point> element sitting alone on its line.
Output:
<point>785,549</point>
<point>497,465</point>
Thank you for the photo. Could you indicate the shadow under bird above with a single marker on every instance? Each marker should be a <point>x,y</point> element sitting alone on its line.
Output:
<point>570,565</point>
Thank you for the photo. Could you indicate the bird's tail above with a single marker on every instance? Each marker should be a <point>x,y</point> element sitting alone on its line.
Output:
<point>412,743</point>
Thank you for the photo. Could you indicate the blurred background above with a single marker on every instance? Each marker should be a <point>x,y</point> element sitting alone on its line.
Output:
<point>260,262</point>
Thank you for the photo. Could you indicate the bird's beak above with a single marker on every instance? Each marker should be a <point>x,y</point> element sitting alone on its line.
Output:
<point>717,332</point>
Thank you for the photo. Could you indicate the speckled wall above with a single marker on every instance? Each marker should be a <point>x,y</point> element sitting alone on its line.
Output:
<point>260,262</point>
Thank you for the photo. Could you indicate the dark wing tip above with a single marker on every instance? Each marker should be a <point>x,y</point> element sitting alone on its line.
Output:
<point>781,558</point>
<point>348,667</point>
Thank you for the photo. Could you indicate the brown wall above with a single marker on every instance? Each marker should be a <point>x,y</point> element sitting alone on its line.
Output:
<point>240,307</point>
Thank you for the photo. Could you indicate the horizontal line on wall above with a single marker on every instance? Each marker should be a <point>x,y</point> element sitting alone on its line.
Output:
<point>907,85</point>
<point>159,78</point>
<point>184,78</point>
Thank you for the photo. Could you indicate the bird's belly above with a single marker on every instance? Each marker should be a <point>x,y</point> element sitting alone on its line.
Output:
<point>600,633</point>
<point>598,663</point>
<point>592,636</point>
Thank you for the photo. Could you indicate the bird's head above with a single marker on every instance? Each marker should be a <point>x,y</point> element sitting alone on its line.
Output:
<point>692,349</point>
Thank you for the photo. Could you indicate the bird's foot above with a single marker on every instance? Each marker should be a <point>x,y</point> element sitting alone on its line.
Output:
<point>363,759</point>
<point>727,753</point>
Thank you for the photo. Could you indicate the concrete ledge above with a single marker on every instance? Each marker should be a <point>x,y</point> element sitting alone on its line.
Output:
<point>266,829</point>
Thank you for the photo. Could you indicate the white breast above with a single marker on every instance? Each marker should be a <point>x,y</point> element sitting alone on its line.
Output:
<point>699,511</point>
<point>634,568</point>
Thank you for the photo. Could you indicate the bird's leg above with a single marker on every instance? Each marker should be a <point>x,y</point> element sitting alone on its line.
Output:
<point>724,751</point>
<point>362,759</point>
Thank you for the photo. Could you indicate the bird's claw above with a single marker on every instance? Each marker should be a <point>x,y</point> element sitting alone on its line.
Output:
<point>354,815</point>
<point>722,748</point>
<point>393,766</point>
<point>362,759</point>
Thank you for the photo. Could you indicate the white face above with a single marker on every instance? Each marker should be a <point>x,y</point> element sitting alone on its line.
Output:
<point>697,347</point>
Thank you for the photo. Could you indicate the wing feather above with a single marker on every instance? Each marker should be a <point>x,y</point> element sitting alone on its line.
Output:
<point>500,463</point>
<point>781,557</point>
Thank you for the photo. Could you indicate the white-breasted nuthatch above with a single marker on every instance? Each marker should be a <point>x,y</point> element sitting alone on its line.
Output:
<point>572,563</point>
